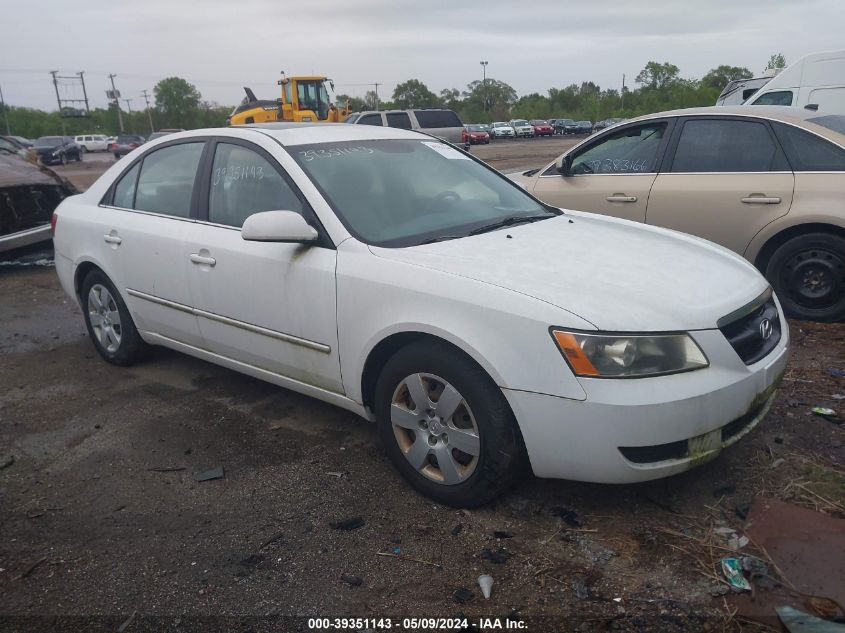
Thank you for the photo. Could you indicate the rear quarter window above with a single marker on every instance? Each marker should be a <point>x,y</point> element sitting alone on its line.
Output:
<point>437,118</point>
<point>808,152</point>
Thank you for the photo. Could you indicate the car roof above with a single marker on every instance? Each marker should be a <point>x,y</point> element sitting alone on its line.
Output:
<point>796,116</point>
<point>288,133</point>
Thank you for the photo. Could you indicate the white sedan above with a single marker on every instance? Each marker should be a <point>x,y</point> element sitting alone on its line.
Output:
<point>395,276</point>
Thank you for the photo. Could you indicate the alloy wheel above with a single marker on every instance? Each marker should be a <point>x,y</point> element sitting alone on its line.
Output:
<point>105,318</point>
<point>435,429</point>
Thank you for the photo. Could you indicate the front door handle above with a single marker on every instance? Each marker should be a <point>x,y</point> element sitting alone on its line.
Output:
<point>759,198</point>
<point>112,239</point>
<point>202,259</point>
<point>621,197</point>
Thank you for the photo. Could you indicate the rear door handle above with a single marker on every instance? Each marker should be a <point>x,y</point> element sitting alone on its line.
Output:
<point>621,197</point>
<point>758,198</point>
<point>202,259</point>
<point>112,239</point>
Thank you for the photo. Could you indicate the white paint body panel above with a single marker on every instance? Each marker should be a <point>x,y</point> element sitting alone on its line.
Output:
<point>493,296</point>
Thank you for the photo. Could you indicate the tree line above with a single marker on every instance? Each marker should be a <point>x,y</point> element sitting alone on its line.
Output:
<point>178,103</point>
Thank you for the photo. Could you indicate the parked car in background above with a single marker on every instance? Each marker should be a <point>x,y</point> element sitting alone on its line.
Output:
<point>739,91</point>
<point>28,195</point>
<point>10,144</point>
<point>583,127</point>
<point>601,125</point>
<point>125,143</point>
<point>475,134</point>
<point>815,81</point>
<point>52,150</point>
<point>502,129</point>
<point>163,132</point>
<point>560,125</point>
<point>20,140</point>
<point>522,128</point>
<point>439,122</point>
<point>542,127</point>
<point>413,285</point>
<point>766,183</point>
<point>92,142</point>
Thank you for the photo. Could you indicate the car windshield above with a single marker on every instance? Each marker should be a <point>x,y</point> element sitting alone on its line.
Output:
<point>127,139</point>
<point>835,122</point>
<point>520,122</point>
<point>48,141</point>
<point>475,128</point>
<point>407,192</point>
<point>539,122</point>
<point>501,125</point>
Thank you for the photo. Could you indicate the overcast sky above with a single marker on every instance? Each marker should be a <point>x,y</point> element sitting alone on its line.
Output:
<point>220,45</point>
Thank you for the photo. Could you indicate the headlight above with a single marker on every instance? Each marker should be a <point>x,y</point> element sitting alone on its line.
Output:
<point>629,355</point>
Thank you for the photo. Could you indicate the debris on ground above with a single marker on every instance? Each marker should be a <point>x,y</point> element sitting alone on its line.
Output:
<point>838,396</point>
<point>457,529</point>
<point>497,557</point>
<point>462,595</point>
<point>721,491</point>
<point>732,570</point>
<point>503,534</point>
<point>7,461</point>
<point>208,475</point>
<point>352,581</point>
<point>335,473</point>
<point>350,523</point>
<point>836,373</point>
<point>568,515</point>
<point>167,469</point>
<point>797,621</point>
<point>485,581</point>
<point>824,412</point>
<point>411,559</point>
<point>127,622</point>
<point>730,538</point>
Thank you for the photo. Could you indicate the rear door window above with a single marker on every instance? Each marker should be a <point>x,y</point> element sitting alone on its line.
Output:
<point>166,181</point>
<point>808,152</point>
<point>437,118</point>
<point>399,119</point>
<point>632,150</point>
<point>370,119</point>
<point>244,182</point>
<point>124,191</point>
<point>716,145</point>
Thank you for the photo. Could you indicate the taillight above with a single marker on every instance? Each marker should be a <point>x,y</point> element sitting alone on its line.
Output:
<point>54,219</point>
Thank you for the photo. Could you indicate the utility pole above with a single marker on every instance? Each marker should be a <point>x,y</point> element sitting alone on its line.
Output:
<point>146,96</point>
<point>58,98</point>
<point>5,116</point>
<point>622,94</point>
<point>116,96</point>
<point>376,85</point>
<point>484,83</point>
<point>128,105</point>
<point>81,74</point>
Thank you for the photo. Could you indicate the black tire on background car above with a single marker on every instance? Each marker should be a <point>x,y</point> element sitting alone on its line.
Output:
<point>83,148</point>
<point>109,323</point>
<point>808,275</point>
<point>63,158</point>
<point>461,446</point>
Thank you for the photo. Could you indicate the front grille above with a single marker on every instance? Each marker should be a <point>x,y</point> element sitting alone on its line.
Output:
<point>755,332</point>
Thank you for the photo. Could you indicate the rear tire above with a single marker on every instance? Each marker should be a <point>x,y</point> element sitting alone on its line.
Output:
<point>808,275</point>
<point>467,457</point>
<point>109,323</point>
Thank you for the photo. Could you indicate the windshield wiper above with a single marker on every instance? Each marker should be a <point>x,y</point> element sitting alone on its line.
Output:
<point>509,221</point>
<point>440,238</point>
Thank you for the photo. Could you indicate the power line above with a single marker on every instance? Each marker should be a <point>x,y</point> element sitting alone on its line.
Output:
<point>146,95</point>
<point>115,94</point>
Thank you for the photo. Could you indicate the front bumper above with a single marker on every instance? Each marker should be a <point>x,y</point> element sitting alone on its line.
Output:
<point>634,430</point>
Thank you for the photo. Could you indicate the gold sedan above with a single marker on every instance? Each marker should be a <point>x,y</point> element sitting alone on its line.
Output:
<point>765,182</point>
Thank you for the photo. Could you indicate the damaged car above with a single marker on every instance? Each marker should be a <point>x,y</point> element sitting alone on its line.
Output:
<point>390,274</point>
<point>28,195</point>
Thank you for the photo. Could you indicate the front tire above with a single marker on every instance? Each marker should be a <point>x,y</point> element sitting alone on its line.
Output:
<point>808,274</point>
<point>446,426</point>
<point>109,323</point>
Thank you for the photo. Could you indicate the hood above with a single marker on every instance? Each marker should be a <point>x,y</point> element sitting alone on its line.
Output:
<point>618,275</point>
<point>47,150</point>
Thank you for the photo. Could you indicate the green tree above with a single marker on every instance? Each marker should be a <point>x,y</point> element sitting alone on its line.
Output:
<point>494,97</point>
<point>414,94</point>
<point>776,61</point>
<point>657,76</point>
<point>371,100</point>
<point>450,98</point>
<point>178,101</point>
<point>355,103</point>
<point>720,76</point>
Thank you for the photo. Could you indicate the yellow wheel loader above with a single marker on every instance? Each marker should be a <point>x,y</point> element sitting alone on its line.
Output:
<point>304,100</point>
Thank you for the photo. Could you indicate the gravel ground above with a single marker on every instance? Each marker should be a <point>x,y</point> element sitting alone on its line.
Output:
<point>101,515</point>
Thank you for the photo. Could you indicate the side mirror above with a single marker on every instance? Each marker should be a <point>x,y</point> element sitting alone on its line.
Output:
<point>277,226</point>
<point>564,165</point>
<point>812,106</point>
